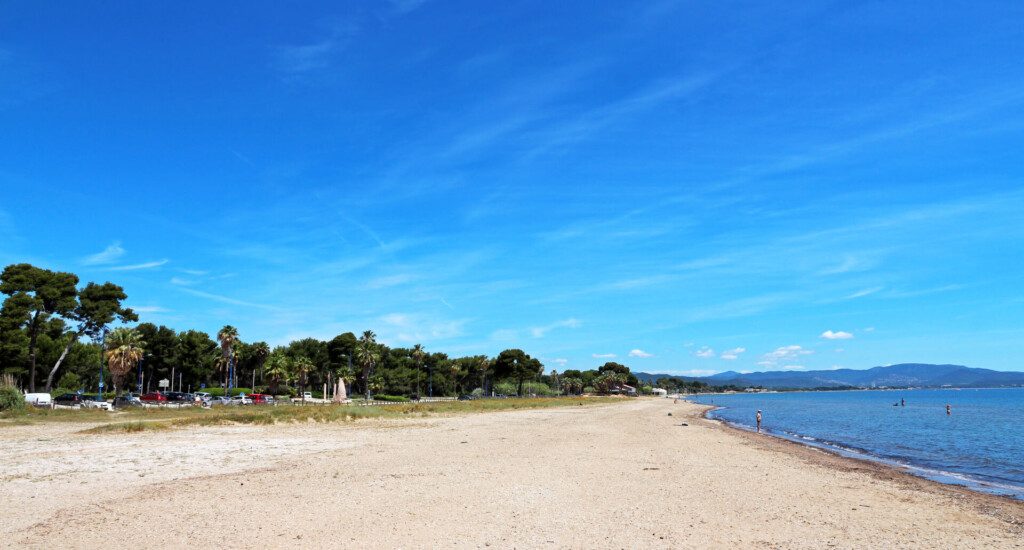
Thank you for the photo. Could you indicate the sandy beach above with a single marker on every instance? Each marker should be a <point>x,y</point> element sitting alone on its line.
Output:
<point>616,476</point>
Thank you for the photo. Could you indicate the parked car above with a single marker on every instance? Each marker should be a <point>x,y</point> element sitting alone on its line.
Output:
<point>39,399</point>
<point>127,400</point>
<point>154,398</point>
<point>261,399</point>
<point>92,403</point>
<point>179,397</point>
<point>466,397</point>
<point>69,400</point>
<point>307,396</point>
<point>241,399</point>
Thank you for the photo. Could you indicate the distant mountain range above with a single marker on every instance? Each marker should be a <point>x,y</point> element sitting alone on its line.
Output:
<point>900,376</point>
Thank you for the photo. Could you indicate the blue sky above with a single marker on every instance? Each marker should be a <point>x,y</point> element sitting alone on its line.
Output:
<point>685,187</point>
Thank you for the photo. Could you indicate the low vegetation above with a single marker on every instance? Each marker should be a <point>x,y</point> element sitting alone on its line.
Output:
<point>139,420</point>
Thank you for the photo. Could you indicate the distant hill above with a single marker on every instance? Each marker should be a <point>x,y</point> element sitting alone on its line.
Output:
<point>903,375</point>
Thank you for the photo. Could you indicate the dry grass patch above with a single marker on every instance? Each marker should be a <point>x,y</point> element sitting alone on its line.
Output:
<point>162,419</point>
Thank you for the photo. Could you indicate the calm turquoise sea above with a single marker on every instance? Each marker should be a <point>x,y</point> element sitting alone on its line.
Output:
<point>981,444</point>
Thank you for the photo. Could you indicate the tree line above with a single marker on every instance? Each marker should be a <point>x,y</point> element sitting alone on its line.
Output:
<point>56,333</point>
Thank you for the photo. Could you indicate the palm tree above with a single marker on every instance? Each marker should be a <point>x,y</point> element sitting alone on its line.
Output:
<point>125,348</point>
<point>260,351</point>
<point>455,369</point>
<point>278,368</point>
<point>227,337</point>
<point>367,356</point>
<point>302,367</point>
<point>417,357</point>
<point>482,364</point>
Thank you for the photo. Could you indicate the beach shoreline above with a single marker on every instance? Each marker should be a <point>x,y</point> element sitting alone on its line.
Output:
<point>1005,506</point>
<point>944,449</point>
<point>639,473</point>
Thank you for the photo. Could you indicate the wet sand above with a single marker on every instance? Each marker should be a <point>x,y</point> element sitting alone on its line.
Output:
<point>618,476</point>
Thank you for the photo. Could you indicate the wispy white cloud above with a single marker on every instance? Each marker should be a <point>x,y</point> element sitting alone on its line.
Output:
<point>137,267</point>
<point>732,354</point>
<point>739,308</point>
<point>705,353</point>
<point>696,373</point>
<point>783,354</point>
<point>864,292</point>
<point>110,254</point>
<point>305,58</point>
<point>299,59</point>
<point>539,332</point>
<point>836,335</point>
<point>148,309</point>
<point>390,281</point>
<point>418,328</point>
<point>639,353</point>
<point>505,335</point>
<point>603,355</point>
<point>922,292</point>
<point>855,262</point>
<point>560,362</point>
<point>587,124</point>
<point>225,299</point>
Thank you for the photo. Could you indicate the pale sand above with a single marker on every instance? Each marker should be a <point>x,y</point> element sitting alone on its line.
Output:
<point>618,476</point>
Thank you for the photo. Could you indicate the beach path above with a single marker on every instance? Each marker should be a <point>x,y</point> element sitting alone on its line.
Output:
<point>612,476</point>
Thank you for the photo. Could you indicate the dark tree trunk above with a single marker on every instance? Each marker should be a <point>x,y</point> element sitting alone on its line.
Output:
<point>53,371</point>
<point>33,329</point>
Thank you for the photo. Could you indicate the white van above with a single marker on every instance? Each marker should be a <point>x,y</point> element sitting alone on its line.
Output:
<point>39,399</point>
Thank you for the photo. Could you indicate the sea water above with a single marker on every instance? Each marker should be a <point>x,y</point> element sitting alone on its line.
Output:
<point>980,444</point>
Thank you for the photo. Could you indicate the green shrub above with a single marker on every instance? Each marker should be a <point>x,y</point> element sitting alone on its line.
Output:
<point>69,383</point>
<point>11,399</point>
<point>219,392</point>
<point>394,398</point>
<point>510,387</point>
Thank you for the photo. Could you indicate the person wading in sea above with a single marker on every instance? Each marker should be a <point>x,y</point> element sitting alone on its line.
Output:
<point>758,421</point>
<point>949,410</point>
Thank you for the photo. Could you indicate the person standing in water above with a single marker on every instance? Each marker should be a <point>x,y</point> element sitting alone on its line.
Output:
<point>903,402</point>
<point>758,421</point>
<point>949,410</point>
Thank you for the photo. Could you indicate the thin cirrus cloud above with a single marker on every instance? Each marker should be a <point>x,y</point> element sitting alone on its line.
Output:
<point>705,353</point>
<point>148,309</point>
<point>108,255</point>
<point>640,354</point>
<point>390,281</point>
<point>603,355</point>
<point>836,335</point>
<point>226,299</point>
<point>539,332</point>
<point>137,267</point>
